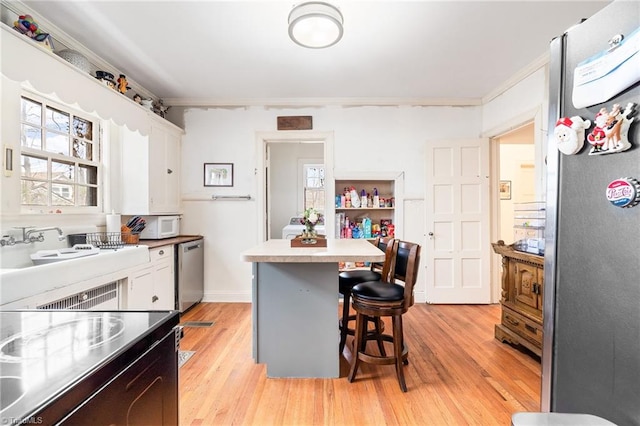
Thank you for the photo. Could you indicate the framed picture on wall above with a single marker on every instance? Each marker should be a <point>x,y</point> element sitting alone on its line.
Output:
<point>505,189</point>
<point>218,174</point>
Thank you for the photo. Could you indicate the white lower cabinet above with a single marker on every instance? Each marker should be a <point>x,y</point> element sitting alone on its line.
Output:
<point>152,287</point>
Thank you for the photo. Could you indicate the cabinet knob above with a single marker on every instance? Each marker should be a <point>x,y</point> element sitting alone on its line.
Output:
<point>161,252</point>
<point>430,235</point>
<point>154,299</point>
<point>169,171</point>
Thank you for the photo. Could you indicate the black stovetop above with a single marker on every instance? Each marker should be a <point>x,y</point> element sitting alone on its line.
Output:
<point>43,354</point>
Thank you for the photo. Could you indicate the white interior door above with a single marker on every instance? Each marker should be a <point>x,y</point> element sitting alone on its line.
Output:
<point>457,213</point>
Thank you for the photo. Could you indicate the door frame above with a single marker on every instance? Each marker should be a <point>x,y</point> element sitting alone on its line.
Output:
<point>532,116</point>
<point>265,138</point>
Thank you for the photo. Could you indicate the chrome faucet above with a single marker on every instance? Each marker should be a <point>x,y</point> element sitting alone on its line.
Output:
<point>28,237</point>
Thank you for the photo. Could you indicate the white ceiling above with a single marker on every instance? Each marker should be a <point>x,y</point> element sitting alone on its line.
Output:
<point>216,51</point>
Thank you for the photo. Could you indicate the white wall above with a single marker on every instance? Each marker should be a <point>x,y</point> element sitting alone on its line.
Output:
<point>512,159</point>
<point>524,102</point>
<point>385,139</point>
<point>286,180</point>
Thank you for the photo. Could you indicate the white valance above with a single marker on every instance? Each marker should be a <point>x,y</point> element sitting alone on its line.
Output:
<point>24,61</point>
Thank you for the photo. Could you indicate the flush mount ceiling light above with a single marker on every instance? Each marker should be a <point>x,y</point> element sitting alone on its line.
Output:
<point>315,24</point>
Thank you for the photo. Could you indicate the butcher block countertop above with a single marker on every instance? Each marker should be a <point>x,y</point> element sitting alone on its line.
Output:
<point>337,250</point>
<point>170,241</point>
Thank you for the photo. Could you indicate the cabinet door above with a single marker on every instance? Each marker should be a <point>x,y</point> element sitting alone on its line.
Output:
<point>140,289</point>
<point>526,285</point>
<point>163,286</point>
<point>173,151</point>
<point>162,261</point>
<point>164,170</point>
<point>144,393</point>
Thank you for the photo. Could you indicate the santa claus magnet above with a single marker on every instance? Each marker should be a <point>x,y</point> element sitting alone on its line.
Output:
<point>624,192</point>
<point>569,134</point>
<point>610,134</point>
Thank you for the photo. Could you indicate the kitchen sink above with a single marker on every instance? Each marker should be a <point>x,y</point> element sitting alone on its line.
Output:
<point>49,256</point>
<point>63,270</point>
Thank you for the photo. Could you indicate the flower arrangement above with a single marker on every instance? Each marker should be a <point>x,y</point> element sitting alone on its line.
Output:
<point>310,218</point>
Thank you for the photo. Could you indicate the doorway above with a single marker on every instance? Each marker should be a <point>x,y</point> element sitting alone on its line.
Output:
<point>517,171</point>
<point>270,218</point>
<point>285,180</point>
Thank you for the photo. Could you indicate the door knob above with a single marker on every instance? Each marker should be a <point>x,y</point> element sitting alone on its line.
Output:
<point>431,235</point>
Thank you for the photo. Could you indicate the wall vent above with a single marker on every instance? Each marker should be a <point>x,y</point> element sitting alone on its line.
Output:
<point>90,299</point>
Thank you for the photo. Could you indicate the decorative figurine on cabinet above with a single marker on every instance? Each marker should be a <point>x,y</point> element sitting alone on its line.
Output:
<point>137,99</point>
<point>569,134</point>
<point>27,26</point>
<point>122,84</point>
<point>107,78</point>
<point>160,109</point>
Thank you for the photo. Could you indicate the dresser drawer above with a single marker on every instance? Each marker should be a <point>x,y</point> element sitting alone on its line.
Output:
<point>524,327</point>
<point>161,253</point>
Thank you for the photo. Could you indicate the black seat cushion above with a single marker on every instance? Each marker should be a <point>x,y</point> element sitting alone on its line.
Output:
<point>348,279</point>
<point>378,291</point>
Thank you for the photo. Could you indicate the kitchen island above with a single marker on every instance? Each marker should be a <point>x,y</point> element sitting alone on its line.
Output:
<point>295,304</point>
<point>89,367</point>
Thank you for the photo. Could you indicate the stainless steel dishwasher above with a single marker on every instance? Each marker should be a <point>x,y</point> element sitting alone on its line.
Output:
<point>189,274</point>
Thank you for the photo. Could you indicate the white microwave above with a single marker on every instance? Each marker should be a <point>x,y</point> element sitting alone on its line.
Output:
<point>159,227</point>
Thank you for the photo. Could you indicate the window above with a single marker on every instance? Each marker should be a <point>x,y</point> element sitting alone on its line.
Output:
<point>314,186</point>
<point>59,156</point>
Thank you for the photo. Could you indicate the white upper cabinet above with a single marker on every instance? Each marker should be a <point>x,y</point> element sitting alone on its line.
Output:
<point>151,171</point>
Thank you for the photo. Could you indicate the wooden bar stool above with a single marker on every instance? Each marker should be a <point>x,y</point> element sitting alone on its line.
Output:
<point>377,299</point>
<point>347,279</point>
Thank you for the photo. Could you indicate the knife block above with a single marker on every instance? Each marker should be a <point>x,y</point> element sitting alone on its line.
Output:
<point>128,237</point>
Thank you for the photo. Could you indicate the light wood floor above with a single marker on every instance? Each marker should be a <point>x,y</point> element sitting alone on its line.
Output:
<point>458,374</point>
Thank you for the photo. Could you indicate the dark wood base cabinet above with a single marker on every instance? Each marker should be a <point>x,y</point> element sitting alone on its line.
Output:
<point>521,298</point>
<point>144,393</point>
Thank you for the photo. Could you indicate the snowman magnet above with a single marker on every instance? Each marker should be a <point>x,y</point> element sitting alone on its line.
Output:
<point>610,134</point>
<point>569,134</point>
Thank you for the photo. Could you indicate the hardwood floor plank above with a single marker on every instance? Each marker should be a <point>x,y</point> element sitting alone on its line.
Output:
<point>458,374</point>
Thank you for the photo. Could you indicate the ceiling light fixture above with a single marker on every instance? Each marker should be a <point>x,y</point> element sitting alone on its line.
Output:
<point>315,24</point>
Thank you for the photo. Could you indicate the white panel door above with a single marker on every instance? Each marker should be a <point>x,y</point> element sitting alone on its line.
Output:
<point>457,222</point>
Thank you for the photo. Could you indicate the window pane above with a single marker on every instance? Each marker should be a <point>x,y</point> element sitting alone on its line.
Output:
<point>87,196</point>
<point>82,128</point>
<point>314,176</point>
<point>61,195</point>
<point>57,120</point>
<point>88,174</point>
<point>314,198</point>
<point>31,111</point>
<point>82,149</point>
<point>34,193</point>
<point>34,167</point>
<point>57,143</point>
<point>31,137</point>
<point>62,171</point>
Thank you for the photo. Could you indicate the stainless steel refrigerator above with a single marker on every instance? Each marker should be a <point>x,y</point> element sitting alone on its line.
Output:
<point>591,353</point>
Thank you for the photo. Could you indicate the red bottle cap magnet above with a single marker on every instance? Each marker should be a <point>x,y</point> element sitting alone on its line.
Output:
<point>624,192</point>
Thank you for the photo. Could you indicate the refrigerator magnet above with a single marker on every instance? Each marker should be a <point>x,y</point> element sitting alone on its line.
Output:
<point>611,131</point>
<point>569,134</point>
<point>624,192</point>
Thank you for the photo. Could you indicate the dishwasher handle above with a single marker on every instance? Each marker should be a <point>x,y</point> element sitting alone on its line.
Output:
<point>192,247</point>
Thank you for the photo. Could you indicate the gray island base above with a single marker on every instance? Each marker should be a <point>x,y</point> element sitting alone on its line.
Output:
<point>295,305</point>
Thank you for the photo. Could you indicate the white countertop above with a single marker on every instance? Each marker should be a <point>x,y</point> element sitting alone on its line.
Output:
<point>337,250</point>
